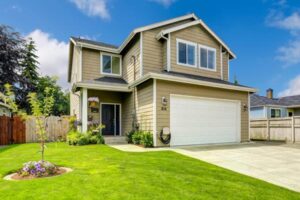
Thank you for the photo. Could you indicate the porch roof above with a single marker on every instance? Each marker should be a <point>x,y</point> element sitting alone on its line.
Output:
<point>104,83</point>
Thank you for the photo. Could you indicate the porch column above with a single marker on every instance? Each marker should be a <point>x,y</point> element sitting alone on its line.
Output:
<point>84,113</point>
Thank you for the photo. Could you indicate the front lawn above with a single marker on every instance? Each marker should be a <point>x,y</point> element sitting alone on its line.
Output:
<point>101,172</point>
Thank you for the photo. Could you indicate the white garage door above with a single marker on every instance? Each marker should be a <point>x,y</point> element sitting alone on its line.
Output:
<point>195,120</point>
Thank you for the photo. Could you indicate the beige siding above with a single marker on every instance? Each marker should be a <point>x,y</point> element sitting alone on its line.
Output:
<point>131,62</point>
<point>127,112</point>
<point>75,104</point>
<point>75,74</point>
<point>225,66</point>
<point>153,49</point>
<point>90,64</point>
<point>144,104</point>
<point>197,35</point>
<point>165,88</point>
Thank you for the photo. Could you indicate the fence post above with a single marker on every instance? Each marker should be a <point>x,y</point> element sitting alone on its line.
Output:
<point>268,129</point>
<point>293,130</point>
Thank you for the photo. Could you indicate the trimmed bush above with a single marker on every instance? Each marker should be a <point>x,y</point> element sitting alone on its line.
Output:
<point>142,137</point>
<point>147,139</point>
<point>77,138</point>
<point>137,137</point>
<point>129,136</point>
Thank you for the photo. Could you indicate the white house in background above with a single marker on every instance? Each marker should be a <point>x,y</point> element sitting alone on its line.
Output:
<point>4,109</point>
<point>270,107</point>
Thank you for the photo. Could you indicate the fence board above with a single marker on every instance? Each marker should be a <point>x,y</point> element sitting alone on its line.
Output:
<point>279,129</point>
<point>56,128</point>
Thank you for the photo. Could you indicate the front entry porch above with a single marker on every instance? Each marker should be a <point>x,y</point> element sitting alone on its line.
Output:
<point>109,108</point>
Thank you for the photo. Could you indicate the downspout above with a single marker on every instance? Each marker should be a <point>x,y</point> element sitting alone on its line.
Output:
<point>134,113</point>
<point>168,49</point>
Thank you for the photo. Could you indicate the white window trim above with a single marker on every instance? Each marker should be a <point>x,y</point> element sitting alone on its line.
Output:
<point>110,54</point>
<point>177,52</point>
<point>211,49</point>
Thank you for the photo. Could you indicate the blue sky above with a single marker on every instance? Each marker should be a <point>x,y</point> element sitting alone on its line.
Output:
<point>264,34</point>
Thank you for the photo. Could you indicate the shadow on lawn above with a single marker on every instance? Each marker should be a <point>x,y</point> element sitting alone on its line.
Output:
<point>8,147</point>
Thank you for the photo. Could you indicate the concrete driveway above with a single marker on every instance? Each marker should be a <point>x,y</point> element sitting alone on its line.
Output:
<point>272,162</point>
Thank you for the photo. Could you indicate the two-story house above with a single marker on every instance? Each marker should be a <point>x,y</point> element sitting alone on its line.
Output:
<point>172,75</point>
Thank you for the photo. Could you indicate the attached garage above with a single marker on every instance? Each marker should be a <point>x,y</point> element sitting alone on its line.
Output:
<point>202,120</point>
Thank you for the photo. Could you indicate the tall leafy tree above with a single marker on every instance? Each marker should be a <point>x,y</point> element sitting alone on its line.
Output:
<point>30,76</point>
<point>61,98</point>
<point>11,55</point>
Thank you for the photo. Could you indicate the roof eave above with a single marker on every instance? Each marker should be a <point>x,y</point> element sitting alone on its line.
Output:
<point>190,81</point>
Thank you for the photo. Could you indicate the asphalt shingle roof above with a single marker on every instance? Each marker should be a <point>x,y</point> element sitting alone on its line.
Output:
<point>201,78</point>
<point>76,39</point>
<point>257,100</point>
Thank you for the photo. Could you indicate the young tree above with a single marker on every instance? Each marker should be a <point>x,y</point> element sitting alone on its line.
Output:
<point>11,55</point>
<point>41,109</point>
<point>30,75</point>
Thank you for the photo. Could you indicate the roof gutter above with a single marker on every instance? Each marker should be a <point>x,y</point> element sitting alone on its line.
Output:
<point>115,87</point>
<point>189,81</point>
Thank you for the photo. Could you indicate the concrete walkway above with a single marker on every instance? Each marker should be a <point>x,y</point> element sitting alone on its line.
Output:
<point>272,162</point>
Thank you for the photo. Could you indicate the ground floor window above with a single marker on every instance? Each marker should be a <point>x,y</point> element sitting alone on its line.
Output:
<point>275,112</point>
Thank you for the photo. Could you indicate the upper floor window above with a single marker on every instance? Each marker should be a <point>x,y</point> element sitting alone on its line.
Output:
<point>207,57</point>
<point>186,53</point>
<point>110,64</point>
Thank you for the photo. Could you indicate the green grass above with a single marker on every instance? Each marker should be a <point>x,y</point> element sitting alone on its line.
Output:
<point>101,172</point>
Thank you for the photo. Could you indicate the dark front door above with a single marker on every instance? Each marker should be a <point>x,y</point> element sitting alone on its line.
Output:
<point>110,115</point>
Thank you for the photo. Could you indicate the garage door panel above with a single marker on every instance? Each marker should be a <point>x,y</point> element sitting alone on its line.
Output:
<point>203,121</point>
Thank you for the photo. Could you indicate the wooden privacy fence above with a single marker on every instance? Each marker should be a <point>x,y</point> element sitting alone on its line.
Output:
<point>15,131</point>
<point>57,128</point>
<point>12,130</point>
<point>276,129</point>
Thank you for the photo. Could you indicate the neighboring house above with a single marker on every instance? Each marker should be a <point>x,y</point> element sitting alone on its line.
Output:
<point>4,109</point>
<point>172,75</point>
<point>270,107</point>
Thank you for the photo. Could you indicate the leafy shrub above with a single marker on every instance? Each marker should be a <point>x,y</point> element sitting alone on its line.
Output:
<point>84,139</point>
<point>37,169</point>
<point>129,136</point>
<point>147,139</point>
<point>137,137</point>
<point>77,138</point>
<point>141,137</point>
<point>73,137</point>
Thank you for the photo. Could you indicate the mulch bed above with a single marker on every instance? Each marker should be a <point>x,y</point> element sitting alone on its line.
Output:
<point>16,176</point>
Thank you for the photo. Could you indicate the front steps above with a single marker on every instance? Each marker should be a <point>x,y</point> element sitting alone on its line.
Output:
<point>115,140</point>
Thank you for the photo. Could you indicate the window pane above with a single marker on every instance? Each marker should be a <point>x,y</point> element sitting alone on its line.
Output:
<point>106,64</point>
<point>191,55</point>
<point>272,113</point>
<point>115,65</point>
<point>203,57</point>
<point>182,53</point>
<point>278,113</point>
<point>211,59</point>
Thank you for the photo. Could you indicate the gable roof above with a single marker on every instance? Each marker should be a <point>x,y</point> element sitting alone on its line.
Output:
<point>115,49</point>
<point>288,101</point>
<point>193,23</point>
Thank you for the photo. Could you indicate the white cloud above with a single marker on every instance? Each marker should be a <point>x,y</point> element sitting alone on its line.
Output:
<point>165,3</point>
<point>96,8</point>
<point>290,23</point>
<point>290,54</point>
<point>53,55</point>
<point>293,88</point>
